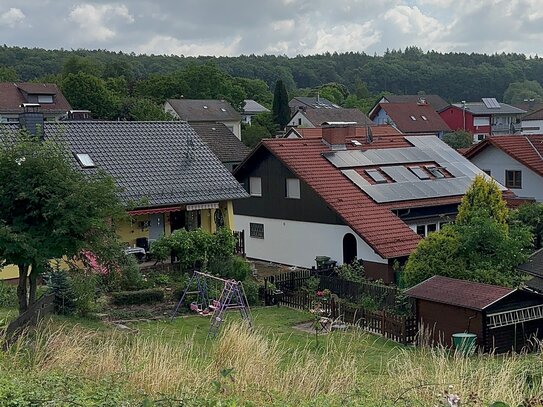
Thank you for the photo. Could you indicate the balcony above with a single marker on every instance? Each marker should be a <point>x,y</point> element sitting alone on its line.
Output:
<point>506,128</point>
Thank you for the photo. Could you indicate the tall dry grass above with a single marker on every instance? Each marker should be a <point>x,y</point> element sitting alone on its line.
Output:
<point>261,369</point>
<point>482,379</point>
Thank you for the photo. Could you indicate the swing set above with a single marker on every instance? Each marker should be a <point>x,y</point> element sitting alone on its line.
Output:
<point>232,297</point>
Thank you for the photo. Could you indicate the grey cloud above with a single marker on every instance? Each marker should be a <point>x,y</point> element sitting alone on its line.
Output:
<point>276,26</point>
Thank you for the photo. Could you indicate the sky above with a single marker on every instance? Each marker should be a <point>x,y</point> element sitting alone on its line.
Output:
<point>283,27</point>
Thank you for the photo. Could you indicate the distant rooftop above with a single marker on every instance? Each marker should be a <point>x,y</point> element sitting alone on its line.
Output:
<point>253,107</point>
<point>489,106</point>
<point>436,101</point>
<point>204,110</point>
<point>312,102</point>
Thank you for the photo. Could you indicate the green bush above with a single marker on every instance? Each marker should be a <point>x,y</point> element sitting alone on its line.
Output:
<point>131,278</point>
<point>234,267</point>
<point>251,291</point>
<point>84,289</point>
<point>148,296</point>
<point>65,297</point>
<point>8,295</point>
<point>352,272</point>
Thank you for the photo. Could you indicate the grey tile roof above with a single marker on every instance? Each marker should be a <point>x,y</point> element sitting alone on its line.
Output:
<point>204,110</point>
<point>534,264</point>
<point>312,102</point>
<point>157,163</point>
<point>253,107</point>
<point>480,108</point>
<point>224,144</point>
<point>319,116</point>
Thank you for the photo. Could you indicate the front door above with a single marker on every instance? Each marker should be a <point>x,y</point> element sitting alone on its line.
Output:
<point>177,220</point>
<point>156,228</point>
<point>349,248</point>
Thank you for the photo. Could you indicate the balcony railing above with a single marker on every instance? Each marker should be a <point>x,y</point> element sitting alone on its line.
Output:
<point>506,128</point>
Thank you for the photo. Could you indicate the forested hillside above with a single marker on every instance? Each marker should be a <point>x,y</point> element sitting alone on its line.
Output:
<point>116,84</point>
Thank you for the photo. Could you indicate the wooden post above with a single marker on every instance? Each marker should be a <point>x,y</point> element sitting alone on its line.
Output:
<point>383,321</point>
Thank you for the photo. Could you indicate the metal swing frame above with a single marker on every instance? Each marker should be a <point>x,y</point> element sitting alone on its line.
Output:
<point>232,297</point>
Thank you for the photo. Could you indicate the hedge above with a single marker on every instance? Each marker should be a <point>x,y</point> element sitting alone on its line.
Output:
<point>148,296</point>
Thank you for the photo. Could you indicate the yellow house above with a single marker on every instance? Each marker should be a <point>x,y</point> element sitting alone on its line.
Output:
<point>165,173</point>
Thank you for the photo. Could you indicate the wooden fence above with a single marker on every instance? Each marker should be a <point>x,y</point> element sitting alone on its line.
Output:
<point>40,309</point>
<point>402,329</point>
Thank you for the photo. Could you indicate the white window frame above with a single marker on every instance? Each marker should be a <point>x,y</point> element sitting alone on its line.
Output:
<point>255,186</point>
<point>292,186</point>
<point>48,101</point>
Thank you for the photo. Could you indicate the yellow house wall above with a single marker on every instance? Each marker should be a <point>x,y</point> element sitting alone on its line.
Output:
<point>128,231</point>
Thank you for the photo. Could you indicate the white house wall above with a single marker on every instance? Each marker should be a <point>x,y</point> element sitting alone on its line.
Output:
<point>295,121</point>
<point>495,160</point>
<point>298,243</point>
<point>532,127</point>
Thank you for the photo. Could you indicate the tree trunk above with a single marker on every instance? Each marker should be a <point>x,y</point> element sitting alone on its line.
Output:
<point>21,288</point>
<point>33,282</point>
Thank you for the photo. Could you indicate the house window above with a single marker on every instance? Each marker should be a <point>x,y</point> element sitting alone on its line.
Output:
<point>478,137</point>
<point>488,172</point>
<point>419,172</point>
<point>432,227</point>
<point>299,121</point>
<point>513,179</point>
<point>256,230</point>
<point>481,121</point>
<point>255,186</point>
<point>45,98</point>
<point>85,160</point>
<point>293,188</point>
<point>421,230</point>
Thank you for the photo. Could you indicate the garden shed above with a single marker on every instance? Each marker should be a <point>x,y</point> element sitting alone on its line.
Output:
<point>503,319</point>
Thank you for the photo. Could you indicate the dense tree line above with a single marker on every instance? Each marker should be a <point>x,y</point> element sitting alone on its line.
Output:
<point>454,76</point>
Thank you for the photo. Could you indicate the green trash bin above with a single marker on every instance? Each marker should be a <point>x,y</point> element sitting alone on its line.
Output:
<point>465,343</point>
<point>321,261</point>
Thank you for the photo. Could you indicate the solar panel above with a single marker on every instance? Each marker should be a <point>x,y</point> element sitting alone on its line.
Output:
<point>491,103</point>
<point>376,176</point>
<point>419,172</point>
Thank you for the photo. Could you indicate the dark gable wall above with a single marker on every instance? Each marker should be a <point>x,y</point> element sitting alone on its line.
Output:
<point>273,202</point>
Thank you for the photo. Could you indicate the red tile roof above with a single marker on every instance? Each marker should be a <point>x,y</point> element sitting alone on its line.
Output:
<point>527,150</point>
<point>376,131</point>
<point>388,235</point>
<point>460,293</point>
<point>12,95</point>
<point>400,114</point>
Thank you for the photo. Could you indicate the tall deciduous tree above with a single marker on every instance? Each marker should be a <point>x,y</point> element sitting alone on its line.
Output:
<point>479,246</point>
<point>49,210</point>
<point>459,139</point>
<point>280,108</point>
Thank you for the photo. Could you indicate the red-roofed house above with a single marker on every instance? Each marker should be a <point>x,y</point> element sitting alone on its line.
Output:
<point>48,96</point>
<point>361,132</point>
<point>514,161</point>
<point>503,319</point>
<point>410,118</point>
<point>345,197</point>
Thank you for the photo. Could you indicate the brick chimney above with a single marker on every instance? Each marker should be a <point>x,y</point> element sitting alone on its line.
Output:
<point>337,136</point>
<point>31,119</point>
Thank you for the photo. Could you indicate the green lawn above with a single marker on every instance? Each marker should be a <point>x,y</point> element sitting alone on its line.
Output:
<point>278,323</point>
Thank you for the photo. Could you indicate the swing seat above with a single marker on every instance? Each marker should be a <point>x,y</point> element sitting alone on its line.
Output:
<point>194,307</point>
<point>214,305</point>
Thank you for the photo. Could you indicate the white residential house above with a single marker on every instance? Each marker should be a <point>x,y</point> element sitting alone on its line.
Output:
<point>250,109</point>
<point>515,161</point>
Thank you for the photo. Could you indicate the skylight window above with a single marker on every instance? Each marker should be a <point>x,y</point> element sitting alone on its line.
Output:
<point>436,172</point>
<point>223,109</point>
<point>424,118</point>
<point>205,107</point>
<point>413,118</point>
<point>419,172</point>
<point>376,176</point>
<point>85,160</point>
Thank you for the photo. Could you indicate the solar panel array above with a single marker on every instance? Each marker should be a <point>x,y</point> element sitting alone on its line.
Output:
<point>408,185</point>
<point>491,103</point>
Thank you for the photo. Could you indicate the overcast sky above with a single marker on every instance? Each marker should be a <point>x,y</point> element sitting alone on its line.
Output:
<point>234,27</point>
